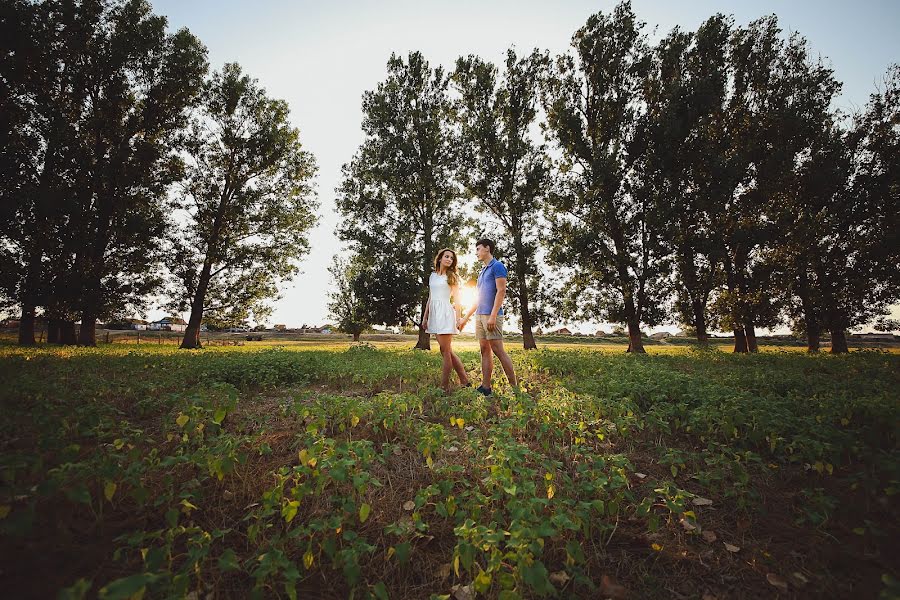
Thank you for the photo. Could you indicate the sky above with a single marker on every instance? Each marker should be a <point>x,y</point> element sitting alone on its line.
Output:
<point>322,56</point>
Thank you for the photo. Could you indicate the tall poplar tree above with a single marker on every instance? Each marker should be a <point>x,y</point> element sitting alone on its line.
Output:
<point>501,166</point>
<point>606,231</point>
<point>398,199</point>
<point>248,201</point>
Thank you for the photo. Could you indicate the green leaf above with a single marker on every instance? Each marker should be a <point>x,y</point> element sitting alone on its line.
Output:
<point>228,561</point>
<point>482,582</point>
<point>403,549</point>
<point>380,591</point>
<point>182,419</point>
<point>109,490</point>
<point>77,591</point>
<point>364,511</point>
<point>127,588</point>
<point>536,576</point>
<point>220,415</point>
<point>79,494</point>
<point>289,510</point>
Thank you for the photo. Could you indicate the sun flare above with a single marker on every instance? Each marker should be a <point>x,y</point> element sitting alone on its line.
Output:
<point>467,296</point>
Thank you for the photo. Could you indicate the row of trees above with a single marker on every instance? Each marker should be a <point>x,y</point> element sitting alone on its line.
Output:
<point>129,171</point>
<point>705,179</point>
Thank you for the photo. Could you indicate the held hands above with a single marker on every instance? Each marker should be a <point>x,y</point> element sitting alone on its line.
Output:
<point>461,323</point>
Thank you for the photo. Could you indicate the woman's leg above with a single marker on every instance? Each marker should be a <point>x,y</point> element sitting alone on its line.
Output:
<point>444,340</point>
<point>460,369</point>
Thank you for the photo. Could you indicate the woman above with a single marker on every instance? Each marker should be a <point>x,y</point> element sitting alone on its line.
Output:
<point>441,316</point>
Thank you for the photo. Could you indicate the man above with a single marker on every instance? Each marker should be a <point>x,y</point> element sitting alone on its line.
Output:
<point>489,318</point>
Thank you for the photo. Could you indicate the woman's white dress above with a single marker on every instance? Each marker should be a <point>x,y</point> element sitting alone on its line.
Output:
<point>441,316</point>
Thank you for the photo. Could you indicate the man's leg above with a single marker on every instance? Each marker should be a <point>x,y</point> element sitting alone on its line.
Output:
<point>487,364</point>
<point>505,361</point>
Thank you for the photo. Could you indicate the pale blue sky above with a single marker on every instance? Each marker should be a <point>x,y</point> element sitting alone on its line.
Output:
<point>321,57</point>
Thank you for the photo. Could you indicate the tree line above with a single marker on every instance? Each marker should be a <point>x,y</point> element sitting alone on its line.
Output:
<point>129,171</point>
<point>705,179</point>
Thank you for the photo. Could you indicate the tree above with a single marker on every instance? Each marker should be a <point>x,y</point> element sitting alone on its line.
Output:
<point>605,229</point>
<point>248,204</point>
<point>139,105</point>
<point>850,195</point>
<point>105,95</point>
<point>759,131</point>
<point>506,172</point>
<point>398,198</point>
<point>346,304</point>
<point>807,222</point>
<point>40,102</point>
<point>685,90</point>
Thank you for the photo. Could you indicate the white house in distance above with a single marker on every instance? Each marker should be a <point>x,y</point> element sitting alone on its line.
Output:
<point>169,324</point>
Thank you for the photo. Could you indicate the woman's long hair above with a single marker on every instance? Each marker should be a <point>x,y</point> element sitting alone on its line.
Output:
<point>452,276</point>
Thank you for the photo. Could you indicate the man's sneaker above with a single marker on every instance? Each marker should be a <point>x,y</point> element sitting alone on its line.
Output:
<point>483,390</point>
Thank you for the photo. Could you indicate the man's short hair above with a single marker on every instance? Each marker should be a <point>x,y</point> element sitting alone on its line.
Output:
<point>486,242</point>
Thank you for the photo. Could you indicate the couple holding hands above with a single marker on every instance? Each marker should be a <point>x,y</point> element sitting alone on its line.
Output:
<point>443,315</point>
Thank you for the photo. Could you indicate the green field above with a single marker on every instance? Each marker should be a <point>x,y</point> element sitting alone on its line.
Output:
<point>330,470</point>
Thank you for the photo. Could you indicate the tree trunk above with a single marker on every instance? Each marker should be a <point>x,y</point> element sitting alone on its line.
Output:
<point>355,337</point>
<point>67,333</point>
<point>53,331</point>
<point>839,341</point>
<point>191,338</point>
<point>750,332</point>
<point>192,332</point>
<point>524,309</point>
<point>700,323</point>
<point>87,336</point>
<point>424,341</point>
<point>812,338</point>
<point>810,319</point>
<point>26,326</point>
<point>740,340</point>
<point>634,338</point>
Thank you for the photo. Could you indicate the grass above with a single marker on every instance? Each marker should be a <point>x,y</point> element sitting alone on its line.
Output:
<point>322,469</point>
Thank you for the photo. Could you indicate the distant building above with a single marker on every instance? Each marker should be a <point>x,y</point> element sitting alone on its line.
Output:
<point>132,324</point>
<point>280,327</point>
<point>600,333</point>
<point>873,337</point>
<point>169,324</point>
<point>561,331</point>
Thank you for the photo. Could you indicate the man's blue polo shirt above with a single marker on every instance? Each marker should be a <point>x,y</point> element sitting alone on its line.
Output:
<point>487,286</point>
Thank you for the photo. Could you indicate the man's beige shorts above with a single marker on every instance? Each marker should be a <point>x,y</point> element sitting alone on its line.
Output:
<point>483,333</point>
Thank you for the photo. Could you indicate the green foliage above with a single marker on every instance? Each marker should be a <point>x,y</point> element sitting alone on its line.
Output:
<point>519,487</point>
<point>249,202</point>
<point>349,305</point>
<point>502,167</point>
<point>99,93</point>
<point>398,199</point>
<point>606,233</point>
